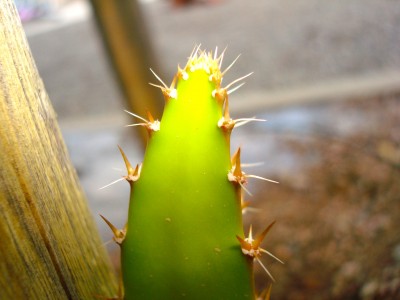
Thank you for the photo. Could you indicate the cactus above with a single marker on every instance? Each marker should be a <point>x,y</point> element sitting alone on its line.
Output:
<point>184,237</point>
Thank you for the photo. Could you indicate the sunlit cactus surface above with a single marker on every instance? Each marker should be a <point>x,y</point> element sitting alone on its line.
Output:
<point>184,237</point>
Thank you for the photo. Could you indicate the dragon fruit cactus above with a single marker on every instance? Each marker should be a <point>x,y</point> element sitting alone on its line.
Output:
<point>184,237</point>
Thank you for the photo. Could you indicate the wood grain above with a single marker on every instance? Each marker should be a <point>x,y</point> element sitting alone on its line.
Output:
<point>49,246</point>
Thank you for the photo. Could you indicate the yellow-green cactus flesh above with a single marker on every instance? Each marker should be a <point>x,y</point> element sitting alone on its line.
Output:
<point>184,213</point>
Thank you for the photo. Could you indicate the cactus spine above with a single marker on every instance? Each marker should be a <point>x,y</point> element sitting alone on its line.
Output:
<point>183,238</point>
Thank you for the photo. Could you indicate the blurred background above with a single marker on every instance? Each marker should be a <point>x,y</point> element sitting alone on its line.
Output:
<point>327,79</point>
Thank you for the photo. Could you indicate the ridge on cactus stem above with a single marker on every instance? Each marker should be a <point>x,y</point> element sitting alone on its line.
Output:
<point>183,235</point>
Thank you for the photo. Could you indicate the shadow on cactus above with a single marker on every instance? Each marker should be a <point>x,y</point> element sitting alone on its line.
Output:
<point>184,237</point>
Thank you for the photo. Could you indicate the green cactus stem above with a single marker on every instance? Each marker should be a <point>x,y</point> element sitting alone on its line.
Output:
<point>183,236</point>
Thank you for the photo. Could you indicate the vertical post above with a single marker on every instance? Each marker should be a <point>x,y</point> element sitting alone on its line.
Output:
<point>50,247</point>
<point>125,37</point>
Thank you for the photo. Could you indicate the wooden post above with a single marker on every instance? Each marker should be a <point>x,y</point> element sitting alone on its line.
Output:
<point>125,36</point>
<point>49,244</point>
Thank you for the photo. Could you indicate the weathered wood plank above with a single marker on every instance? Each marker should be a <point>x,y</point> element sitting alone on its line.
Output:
<point>49,247</point>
